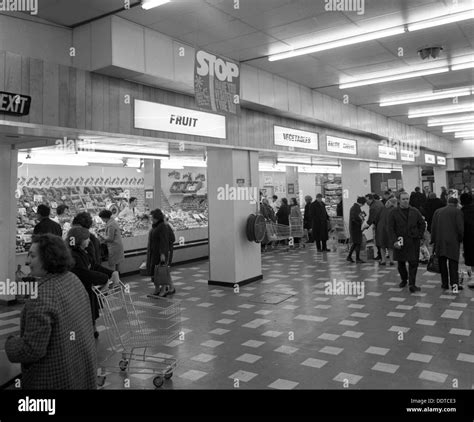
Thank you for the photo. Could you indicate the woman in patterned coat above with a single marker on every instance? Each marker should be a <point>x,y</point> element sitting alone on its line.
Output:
<point>56,346</point>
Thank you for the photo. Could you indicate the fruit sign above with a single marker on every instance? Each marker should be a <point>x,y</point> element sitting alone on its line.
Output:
<point>216,83</point>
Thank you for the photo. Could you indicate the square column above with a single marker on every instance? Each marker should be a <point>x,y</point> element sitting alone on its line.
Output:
<point>8,185</point>
<point>411,177</point>
<point>152,170</point>
<point>292,183</point>
<point>440,179</point>
<point>233,259</point>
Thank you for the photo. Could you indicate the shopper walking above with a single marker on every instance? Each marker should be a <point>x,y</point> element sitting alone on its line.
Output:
<point>417,199</point>
<point>158,252</point>
<point>468,240</point>
<point>355,229</point>
<point>51,359</point>
<point>383,238</point>
<point>406,228</point>
<point>307,223</point>
<point>320,223</point>
<point>283,213</point>
<point>46,225</point>
<point>296,216</point>
<point>444,195</point>
<point>113,240</point>
<point>432,204</point>
<point>375,207</point>
<point>447,233</point>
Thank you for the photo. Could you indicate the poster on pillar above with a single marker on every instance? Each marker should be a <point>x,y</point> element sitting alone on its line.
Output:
<point>216,83</point>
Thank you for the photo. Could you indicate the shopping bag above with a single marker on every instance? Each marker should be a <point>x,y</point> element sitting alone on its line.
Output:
<point>161,275</point>
<point>433,265</point>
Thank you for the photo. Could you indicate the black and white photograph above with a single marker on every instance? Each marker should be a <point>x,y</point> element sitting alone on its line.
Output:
<point>235,197</point>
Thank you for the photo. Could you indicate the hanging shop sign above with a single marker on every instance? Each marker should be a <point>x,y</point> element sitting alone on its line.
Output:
<point>387,152</point>
<point>341,145</point>
<point>14,104</point>
<point>407,155</point>
<point>430,159</point>
<point>441,160</point>
<point>216,83</point>
<point>165,118</point>
<point>288,137</point>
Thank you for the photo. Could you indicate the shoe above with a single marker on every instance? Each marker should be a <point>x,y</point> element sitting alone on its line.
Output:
<point>402,284</point>
<point>392,263</point>
<point>414,289</point>
<point>96,334</point>
<point>471,284</point>
<point>349,259</point>
<point>359,261</point>
<point>171,292</point>
<point>444,287</point>
<point>378,258</point>
<point>326,250</point>
<point>383,263</point>
<point>319,250</point>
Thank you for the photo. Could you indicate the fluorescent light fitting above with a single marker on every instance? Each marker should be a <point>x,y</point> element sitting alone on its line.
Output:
<point>150,4</point>
<point>439,111</point>
<point>408,75</point>
<point>451,120</point>
<point>464,134</point>
<point>441,20</point>
<point>458,128</point>
<point>354,39</point>
<point>461,66</point>
<point>417,98</point>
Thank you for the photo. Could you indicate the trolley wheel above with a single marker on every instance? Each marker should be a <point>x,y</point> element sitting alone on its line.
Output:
<point>168,375</point>
<point>158,381</point>
<point>101,381</point>
<point>123,364</point>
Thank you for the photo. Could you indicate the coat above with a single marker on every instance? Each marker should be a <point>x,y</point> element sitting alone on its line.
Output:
<point>46,225</point>
<point>113,239</point>
<point>382,235</point>
<point>319,221</point>
<point>375,208</point>
<point>283,215</point>
<point>295,212</point>
<point>417,200</point>
<point>50,358</point>
<point>411,229</point>
<point>355,224</point>
<point>431,206</point>
<point>94,250</point>
<point>447,231</point>
<point>307,223</point>
<point>158,244</point>
<point>267,212</point>
<point>468,213</point>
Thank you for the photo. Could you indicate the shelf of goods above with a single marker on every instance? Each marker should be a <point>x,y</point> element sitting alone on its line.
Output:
<point>333,195</point>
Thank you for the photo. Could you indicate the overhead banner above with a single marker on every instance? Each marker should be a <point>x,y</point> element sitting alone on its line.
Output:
<point>216,83</point>
<point>430,159</point>
<point>165,118</point>
<point>14,104</point>
<point>407,155</point>
<point>288,137</point>
<point>387,152</point>
<point>341,145</point>
<point>441,160</point>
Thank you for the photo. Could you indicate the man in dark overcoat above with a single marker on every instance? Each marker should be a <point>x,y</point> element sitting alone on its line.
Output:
<point>355,229</point>
<point>406,228</point>
<point>447,231</point>
<point>320,223</point>
<point>307,222</point>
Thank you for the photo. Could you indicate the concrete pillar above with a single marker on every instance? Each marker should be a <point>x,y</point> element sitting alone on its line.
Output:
<point>440,179</point>
<point>411,177</point>
<point>232,258</point>
<point>8,210</point>
<point>292,184</point>
<point>152,183</point>
<point>355,182</point>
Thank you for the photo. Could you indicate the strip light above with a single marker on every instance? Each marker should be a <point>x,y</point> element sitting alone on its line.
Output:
<point>408,75</point>
<point>150,4</point>
<point>431,96</point>
<point>461,66</point>
<point>438,111</point>
<point>465,134</point>
<point>457,128</point>
<point>461,15</point>
<point>451,120</point>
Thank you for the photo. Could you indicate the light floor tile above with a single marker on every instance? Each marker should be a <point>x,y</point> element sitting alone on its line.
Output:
<point>193,375</point>
<point>349,378</point>
<point>212,343</point>
<point>327,336</point>
<point>460,332</point>
<point>449,313</point>
<point>314,363</point>
<point>352,334</point>
<point>243,376</point>
<point>433,376</point>
<point>203,357</point>
<point>331,350</point>
<point>382,351</point>
<point>248,358</point>
<point>281,384</point>
<point>426,322</point>
<point>286,349</point>
<point>432,339</point>
<point>385,367</point>
<point>420,357</point>
<point>253,343</point>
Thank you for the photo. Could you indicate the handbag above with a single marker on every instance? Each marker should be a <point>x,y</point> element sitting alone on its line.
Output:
<point>433,264</point>
<point>161,275</point>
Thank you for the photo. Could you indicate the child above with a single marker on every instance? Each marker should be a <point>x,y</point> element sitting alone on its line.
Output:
<point>424,251</point>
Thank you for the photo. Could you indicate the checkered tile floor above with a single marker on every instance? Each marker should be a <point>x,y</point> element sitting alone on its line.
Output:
<point>387,339</point>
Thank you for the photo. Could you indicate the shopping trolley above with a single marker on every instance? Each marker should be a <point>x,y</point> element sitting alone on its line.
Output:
<point>277,234</point>
<point>339,234</point>
<point>133,327</point>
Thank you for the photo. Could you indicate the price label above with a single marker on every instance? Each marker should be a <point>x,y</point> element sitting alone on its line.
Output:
<point>38,198</point>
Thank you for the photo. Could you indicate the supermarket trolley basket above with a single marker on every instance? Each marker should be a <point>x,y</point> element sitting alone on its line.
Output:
<point>339,233</point>
<point>297,230</point>
<point>133,327</point>
<point>276,234</point>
